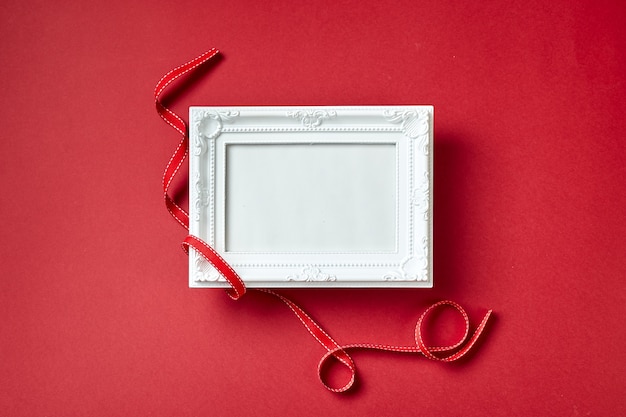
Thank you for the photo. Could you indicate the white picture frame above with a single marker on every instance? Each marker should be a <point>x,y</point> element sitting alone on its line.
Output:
<point>313,196</point>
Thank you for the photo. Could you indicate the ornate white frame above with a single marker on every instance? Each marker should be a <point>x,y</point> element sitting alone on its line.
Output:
<point>408,128</point>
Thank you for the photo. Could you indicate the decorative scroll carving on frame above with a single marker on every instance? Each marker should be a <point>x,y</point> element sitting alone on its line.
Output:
<point>311,274</point>
<point>204,194</point>
<point>312,119</point>
<point>421,196</point>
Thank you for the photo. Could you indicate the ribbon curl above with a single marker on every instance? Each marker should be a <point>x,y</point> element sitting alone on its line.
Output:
<point>238,288</point>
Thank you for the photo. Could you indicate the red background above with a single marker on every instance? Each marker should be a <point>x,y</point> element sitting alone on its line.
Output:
<point>96,317</point>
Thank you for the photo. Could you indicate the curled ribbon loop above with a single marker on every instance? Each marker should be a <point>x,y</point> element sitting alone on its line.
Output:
<point>429,351</point>
<point>419,347</point>
<point>238,288</point>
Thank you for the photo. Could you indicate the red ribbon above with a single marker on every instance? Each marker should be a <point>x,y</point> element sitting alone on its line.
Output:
<point>238,288</point>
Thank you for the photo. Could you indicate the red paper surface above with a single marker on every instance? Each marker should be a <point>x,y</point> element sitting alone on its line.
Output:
<point>95,314</point>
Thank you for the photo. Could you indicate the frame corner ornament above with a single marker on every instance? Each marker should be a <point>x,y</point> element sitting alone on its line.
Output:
<point>415,124</point>
<point>205,273</point>
<point>414,267</point>
<point>209,125</point>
